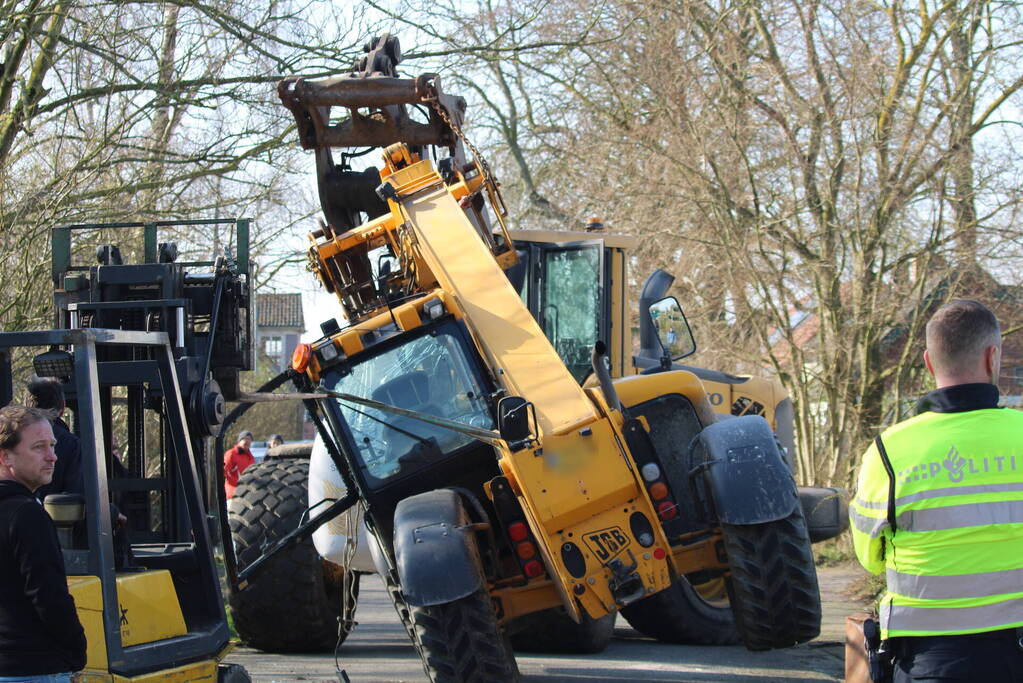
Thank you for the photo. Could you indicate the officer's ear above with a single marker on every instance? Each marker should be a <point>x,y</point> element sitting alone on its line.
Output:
<point>993,362</point>
<point>928,362</point>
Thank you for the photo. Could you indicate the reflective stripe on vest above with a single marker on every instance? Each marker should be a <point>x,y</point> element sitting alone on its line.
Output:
<point>943,519</point>
<point>942,493</point>
<point>982,585</point>
<point>1005,614</point>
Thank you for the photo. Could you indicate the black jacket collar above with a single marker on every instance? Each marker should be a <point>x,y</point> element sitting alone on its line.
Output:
<point>10,487</point>
<point>959,398</point>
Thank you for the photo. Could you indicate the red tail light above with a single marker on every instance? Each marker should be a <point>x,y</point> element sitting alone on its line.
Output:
<point>532,569</point>
<point>667,510</point>
<point>518,531</point>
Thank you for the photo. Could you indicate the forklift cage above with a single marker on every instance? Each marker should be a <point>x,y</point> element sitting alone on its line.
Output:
<point>204,640</point>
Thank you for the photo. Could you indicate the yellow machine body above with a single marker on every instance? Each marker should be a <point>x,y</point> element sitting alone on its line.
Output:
<point>578,477</point>
<point>150,611</point>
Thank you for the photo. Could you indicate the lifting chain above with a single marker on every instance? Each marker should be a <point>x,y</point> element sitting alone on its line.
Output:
<point>349,597</point>
<point>442,112</point>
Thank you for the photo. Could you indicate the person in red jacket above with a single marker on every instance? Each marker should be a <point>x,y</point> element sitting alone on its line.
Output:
<point>236,460</point>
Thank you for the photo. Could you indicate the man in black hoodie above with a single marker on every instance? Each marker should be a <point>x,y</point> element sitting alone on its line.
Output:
<point>41,638</point>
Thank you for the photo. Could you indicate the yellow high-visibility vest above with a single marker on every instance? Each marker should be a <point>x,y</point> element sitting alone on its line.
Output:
<point>954,561</point>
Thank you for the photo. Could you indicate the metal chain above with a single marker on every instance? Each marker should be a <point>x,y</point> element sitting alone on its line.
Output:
<point>488,175</point>
<point>350,597</point>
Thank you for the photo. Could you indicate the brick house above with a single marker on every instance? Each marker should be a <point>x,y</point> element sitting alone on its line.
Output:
<point>280,324</point>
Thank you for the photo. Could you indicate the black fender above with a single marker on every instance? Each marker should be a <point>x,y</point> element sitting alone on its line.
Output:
<point>435,549</point>
<point>744,473</point>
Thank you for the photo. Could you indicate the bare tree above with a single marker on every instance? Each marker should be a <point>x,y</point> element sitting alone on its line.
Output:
<point>140,110</point>
<point>809,171</point>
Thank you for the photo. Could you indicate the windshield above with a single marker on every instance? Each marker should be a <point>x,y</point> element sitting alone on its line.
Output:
<point>429,374</point>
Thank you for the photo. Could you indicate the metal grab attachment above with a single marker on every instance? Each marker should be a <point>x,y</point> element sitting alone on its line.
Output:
<point>387,123</point>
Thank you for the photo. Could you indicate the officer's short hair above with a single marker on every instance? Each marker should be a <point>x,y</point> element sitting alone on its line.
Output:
<point>959,332</point>
<point>45,393</point>
<point>14,419</point>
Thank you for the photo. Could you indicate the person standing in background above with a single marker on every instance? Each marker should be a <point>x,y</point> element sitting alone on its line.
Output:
<point>46,393</point>
<point>237,460</point>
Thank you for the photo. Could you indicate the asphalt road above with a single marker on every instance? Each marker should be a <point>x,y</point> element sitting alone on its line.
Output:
<point>378,651</point>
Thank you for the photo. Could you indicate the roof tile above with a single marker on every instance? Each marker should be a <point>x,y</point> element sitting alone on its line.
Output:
<point>280,310</point>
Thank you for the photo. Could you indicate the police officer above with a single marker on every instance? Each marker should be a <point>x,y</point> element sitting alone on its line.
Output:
<point>939,508</point>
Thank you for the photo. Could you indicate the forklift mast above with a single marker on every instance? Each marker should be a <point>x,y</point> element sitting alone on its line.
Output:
<point>204,308</point>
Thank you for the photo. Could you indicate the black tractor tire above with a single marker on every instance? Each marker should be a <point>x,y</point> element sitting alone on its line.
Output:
<point>460,642</point>
<point>294,603</point>
<point>552,631</point>
<point>684,615</point>
<point>298,449</point>
<point>773,588</point>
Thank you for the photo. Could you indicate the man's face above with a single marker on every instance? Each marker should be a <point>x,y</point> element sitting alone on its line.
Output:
<point>31,462</point>
<point>245,442</point>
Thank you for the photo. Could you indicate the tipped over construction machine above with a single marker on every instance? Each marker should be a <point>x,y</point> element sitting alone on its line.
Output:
<point>508,493</point>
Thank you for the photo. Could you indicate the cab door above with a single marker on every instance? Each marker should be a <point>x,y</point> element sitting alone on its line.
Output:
<point>567,295</point>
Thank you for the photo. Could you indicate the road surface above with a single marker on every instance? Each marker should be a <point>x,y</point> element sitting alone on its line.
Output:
<point>378,651</point>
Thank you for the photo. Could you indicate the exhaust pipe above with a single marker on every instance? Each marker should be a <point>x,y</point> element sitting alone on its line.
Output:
<point>597,359</point>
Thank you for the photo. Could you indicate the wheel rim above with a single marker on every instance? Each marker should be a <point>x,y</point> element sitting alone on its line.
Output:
<point>713,592</point>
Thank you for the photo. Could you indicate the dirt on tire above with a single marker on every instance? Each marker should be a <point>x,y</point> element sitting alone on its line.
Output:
<point>460,642</point>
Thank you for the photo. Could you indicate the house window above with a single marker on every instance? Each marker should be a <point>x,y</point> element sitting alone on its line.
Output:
<point>273,346</point>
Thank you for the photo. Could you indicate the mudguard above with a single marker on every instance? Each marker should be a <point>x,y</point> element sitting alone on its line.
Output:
<point>744,472</point>
<point>435,549</point>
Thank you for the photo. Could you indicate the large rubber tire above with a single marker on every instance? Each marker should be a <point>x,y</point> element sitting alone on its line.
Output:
<point>685,615</point>
<point>773,586</point>
<point>553,631</point>
<point>460,642</point>
<point>294,603</point>
<point>297,449</point>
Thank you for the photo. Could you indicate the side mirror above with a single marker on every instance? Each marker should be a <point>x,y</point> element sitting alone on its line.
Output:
<point>513,421</point>
<point>672,328</point>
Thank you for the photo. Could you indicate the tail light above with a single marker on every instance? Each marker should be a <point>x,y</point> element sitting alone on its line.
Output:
<point>516,529</point>
<point>533,569</point>
<point>658,490</point>
<point>525,550</point>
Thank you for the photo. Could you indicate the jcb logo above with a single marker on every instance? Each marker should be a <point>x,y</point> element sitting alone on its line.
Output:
<point>606,543</point>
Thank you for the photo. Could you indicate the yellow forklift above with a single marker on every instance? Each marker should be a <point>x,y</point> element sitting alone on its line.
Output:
<point>146,353</point>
